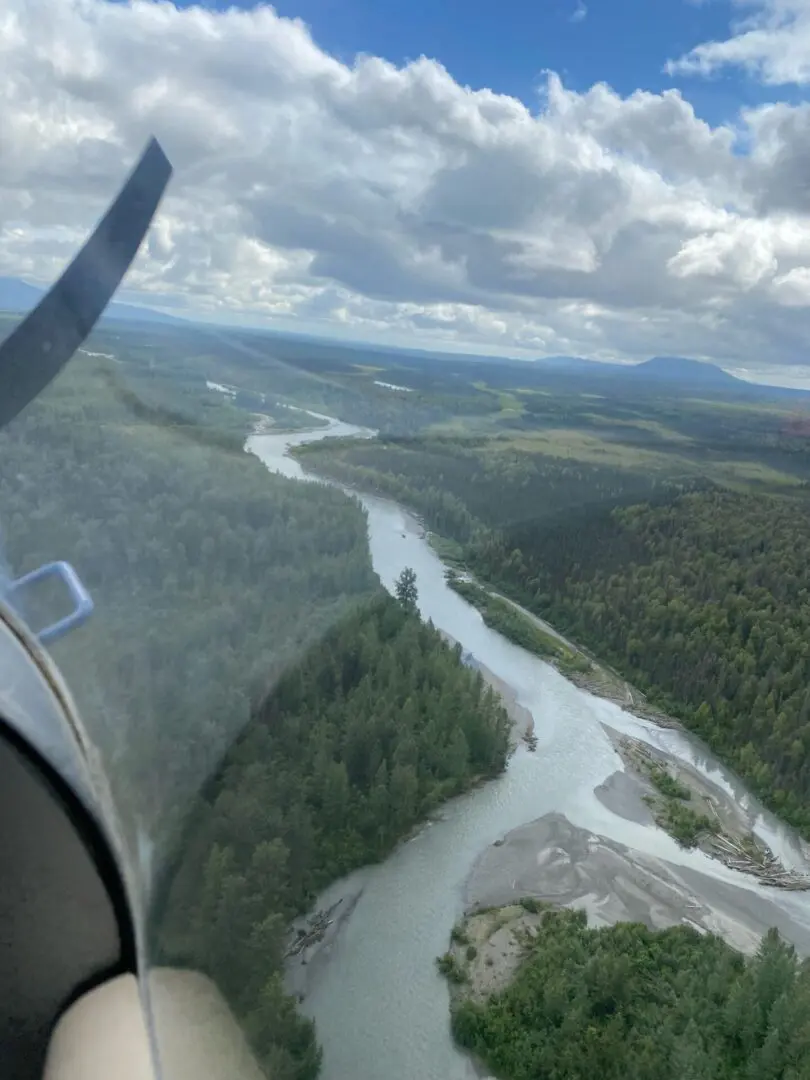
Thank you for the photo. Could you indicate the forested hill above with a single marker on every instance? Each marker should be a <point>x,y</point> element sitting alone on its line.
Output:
<point>377,725</point>
<point>704,602</point>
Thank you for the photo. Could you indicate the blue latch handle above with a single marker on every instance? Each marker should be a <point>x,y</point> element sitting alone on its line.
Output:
<point>82,601</point>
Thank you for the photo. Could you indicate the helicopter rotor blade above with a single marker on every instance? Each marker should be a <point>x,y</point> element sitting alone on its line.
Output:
<point>40,346</point>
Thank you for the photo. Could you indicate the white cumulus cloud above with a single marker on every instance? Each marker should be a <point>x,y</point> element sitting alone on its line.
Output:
<point>771,40</point>
<point>391,200</point>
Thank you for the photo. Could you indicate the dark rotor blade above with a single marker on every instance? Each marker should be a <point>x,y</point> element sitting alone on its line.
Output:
<point>37,350</point>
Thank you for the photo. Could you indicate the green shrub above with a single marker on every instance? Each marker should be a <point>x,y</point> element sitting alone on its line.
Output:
<point>449,967</point>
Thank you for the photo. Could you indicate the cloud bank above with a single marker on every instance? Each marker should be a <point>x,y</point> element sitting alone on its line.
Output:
<point>393,201</point>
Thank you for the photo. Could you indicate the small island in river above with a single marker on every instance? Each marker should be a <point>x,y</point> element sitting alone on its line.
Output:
<point>579,951</point>
<point>555,861</point>
<point>658,787</point>
<point>574,1001</point>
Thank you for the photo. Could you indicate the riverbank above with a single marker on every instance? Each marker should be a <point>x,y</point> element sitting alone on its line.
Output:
<point>532,633</point>
<point>603,682</point>
<point>554,861</point>
<point>312,936</point>
<point>576,663</point>
<point>521,717</point>
<point>594,675</point>
<point>656,787</point>
<point>536,991</point>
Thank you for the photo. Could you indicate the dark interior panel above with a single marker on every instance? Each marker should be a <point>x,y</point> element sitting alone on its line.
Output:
<point>58,927</point>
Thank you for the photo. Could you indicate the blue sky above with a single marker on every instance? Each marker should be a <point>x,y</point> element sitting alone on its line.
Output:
<point>506,45</point>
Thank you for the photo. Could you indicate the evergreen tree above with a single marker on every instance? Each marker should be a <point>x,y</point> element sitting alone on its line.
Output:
<point>405,588</point>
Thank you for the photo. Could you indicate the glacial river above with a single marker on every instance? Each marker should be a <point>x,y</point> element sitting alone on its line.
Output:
<point>380,1007</point>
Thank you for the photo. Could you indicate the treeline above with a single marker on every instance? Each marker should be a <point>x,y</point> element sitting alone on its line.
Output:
<point>516,626</point>
<point>377,725</point>
<point>347,463</point>
<point>463,485</point>
<point>704,602</point>
<point>628,1003</point>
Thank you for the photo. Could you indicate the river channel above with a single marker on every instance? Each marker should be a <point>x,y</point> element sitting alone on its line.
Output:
<point>382,1011</point>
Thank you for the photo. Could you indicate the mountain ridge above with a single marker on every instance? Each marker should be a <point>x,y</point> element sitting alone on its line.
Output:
<point>17,295</point>
<point>677,374</point>
<point>675,368</point>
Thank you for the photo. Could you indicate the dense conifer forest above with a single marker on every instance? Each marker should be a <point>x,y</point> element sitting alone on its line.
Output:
<point>703,602</point>
<point>628,1003</point>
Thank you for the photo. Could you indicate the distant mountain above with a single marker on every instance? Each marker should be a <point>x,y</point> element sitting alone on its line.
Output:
<point>675,375</point>
<point>665,369</point>
<point>682,376</point>
<point>678,376</point>
<point>17,295</point>
<point>679,369</point>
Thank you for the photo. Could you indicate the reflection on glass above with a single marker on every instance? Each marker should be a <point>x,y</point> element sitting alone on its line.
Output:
<point>287,680</point>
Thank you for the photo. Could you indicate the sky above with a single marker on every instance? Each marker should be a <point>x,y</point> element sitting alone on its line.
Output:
<point>605,178</point>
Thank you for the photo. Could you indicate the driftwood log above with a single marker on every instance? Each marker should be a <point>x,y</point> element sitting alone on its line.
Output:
<point>318,925</point>
<point>750,856</point>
